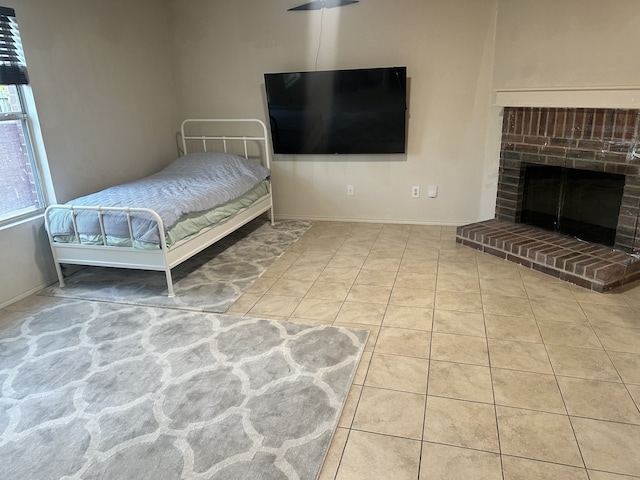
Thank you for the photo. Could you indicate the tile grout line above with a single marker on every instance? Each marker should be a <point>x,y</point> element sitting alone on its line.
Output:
<point>424,417</point>
<point>493,393</point>
<point>555,376</point>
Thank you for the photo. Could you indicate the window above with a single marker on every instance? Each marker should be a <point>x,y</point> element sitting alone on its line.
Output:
<point>20,192</point>
<point>20,189</point>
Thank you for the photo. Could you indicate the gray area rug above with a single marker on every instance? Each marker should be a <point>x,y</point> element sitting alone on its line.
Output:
<point>210,281</point>
<point>92,390</point>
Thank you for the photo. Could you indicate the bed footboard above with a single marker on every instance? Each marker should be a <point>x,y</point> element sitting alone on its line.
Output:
<point>103,254</point>
<point>163,258</point>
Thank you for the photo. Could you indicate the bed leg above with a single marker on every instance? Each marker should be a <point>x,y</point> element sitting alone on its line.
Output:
<point>169,283</point>
<point>60,276</point>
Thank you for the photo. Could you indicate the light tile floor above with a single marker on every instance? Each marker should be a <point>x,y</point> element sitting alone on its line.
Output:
<point>475,368</point>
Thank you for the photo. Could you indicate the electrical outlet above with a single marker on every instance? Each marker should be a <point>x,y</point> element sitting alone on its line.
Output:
<point>350,190</point>
<point>415,191</point>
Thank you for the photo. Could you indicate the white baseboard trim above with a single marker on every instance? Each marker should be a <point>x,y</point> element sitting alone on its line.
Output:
<point>24,295</point>
<point>367,220</point>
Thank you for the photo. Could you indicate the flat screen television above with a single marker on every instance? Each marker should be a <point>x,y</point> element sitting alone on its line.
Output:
<point>359,111</point>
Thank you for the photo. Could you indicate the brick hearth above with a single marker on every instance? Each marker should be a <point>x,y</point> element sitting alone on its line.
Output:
<point>592,266</point>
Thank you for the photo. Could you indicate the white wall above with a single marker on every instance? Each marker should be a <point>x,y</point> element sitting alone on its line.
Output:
<point>222,49</point>
<point>572,43</point>
<point>573,53</point>
<point>104,91</point>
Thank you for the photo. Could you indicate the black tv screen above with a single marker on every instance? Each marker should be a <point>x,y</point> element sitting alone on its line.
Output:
<point>360,111</point>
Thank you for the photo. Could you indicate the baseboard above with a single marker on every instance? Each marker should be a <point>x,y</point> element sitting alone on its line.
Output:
<point>26,294</point>
<point>366,220</point>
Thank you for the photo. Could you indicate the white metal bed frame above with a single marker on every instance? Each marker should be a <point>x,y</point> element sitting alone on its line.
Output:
<point>164,258</point>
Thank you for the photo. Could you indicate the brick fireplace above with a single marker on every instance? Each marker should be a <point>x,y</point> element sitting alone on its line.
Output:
<point>597,140</point>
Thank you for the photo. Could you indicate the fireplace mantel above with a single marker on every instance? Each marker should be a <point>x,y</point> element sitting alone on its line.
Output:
<point>569,97</point>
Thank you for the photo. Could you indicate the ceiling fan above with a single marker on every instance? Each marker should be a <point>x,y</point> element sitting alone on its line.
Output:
<point>320,4</point>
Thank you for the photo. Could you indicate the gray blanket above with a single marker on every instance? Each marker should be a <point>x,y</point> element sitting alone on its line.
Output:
<point>194,183</point>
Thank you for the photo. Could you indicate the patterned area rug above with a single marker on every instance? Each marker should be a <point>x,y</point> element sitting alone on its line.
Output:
<point>210,281</point>
<point>93,390</point>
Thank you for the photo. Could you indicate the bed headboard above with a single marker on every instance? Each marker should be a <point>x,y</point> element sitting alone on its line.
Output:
<point>243,136</point>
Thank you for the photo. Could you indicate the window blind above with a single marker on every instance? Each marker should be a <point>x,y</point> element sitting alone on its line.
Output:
<point>13,69</point>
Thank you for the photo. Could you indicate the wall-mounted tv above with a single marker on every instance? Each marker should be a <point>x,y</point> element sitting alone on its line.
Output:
<point>359,111</point>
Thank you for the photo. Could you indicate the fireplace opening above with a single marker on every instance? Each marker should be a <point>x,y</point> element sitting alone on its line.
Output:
<point>580,203</point>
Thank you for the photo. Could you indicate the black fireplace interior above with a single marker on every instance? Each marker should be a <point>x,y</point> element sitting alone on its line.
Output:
<point>581,203</point>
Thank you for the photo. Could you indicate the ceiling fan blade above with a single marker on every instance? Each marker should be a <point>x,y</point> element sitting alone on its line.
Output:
<point>315,5</point>
<point>338,3</point>
<point>319,4</point>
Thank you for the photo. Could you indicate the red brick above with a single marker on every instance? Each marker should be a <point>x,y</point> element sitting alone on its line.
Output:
<point>597,131</point>
<point>509,138</point>
<point>609,273</point>
<point>526,121</point>
<point>542,127</point>
<point>579,124</point>
<point>495,252</point>
<point>589,123</point>
<point>582,266</point>
<point>561,115</point>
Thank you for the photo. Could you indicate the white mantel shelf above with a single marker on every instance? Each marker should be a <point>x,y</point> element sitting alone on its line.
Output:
<point>570,97</point>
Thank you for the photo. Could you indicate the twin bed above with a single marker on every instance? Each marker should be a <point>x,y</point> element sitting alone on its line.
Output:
<point>221,182</point>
